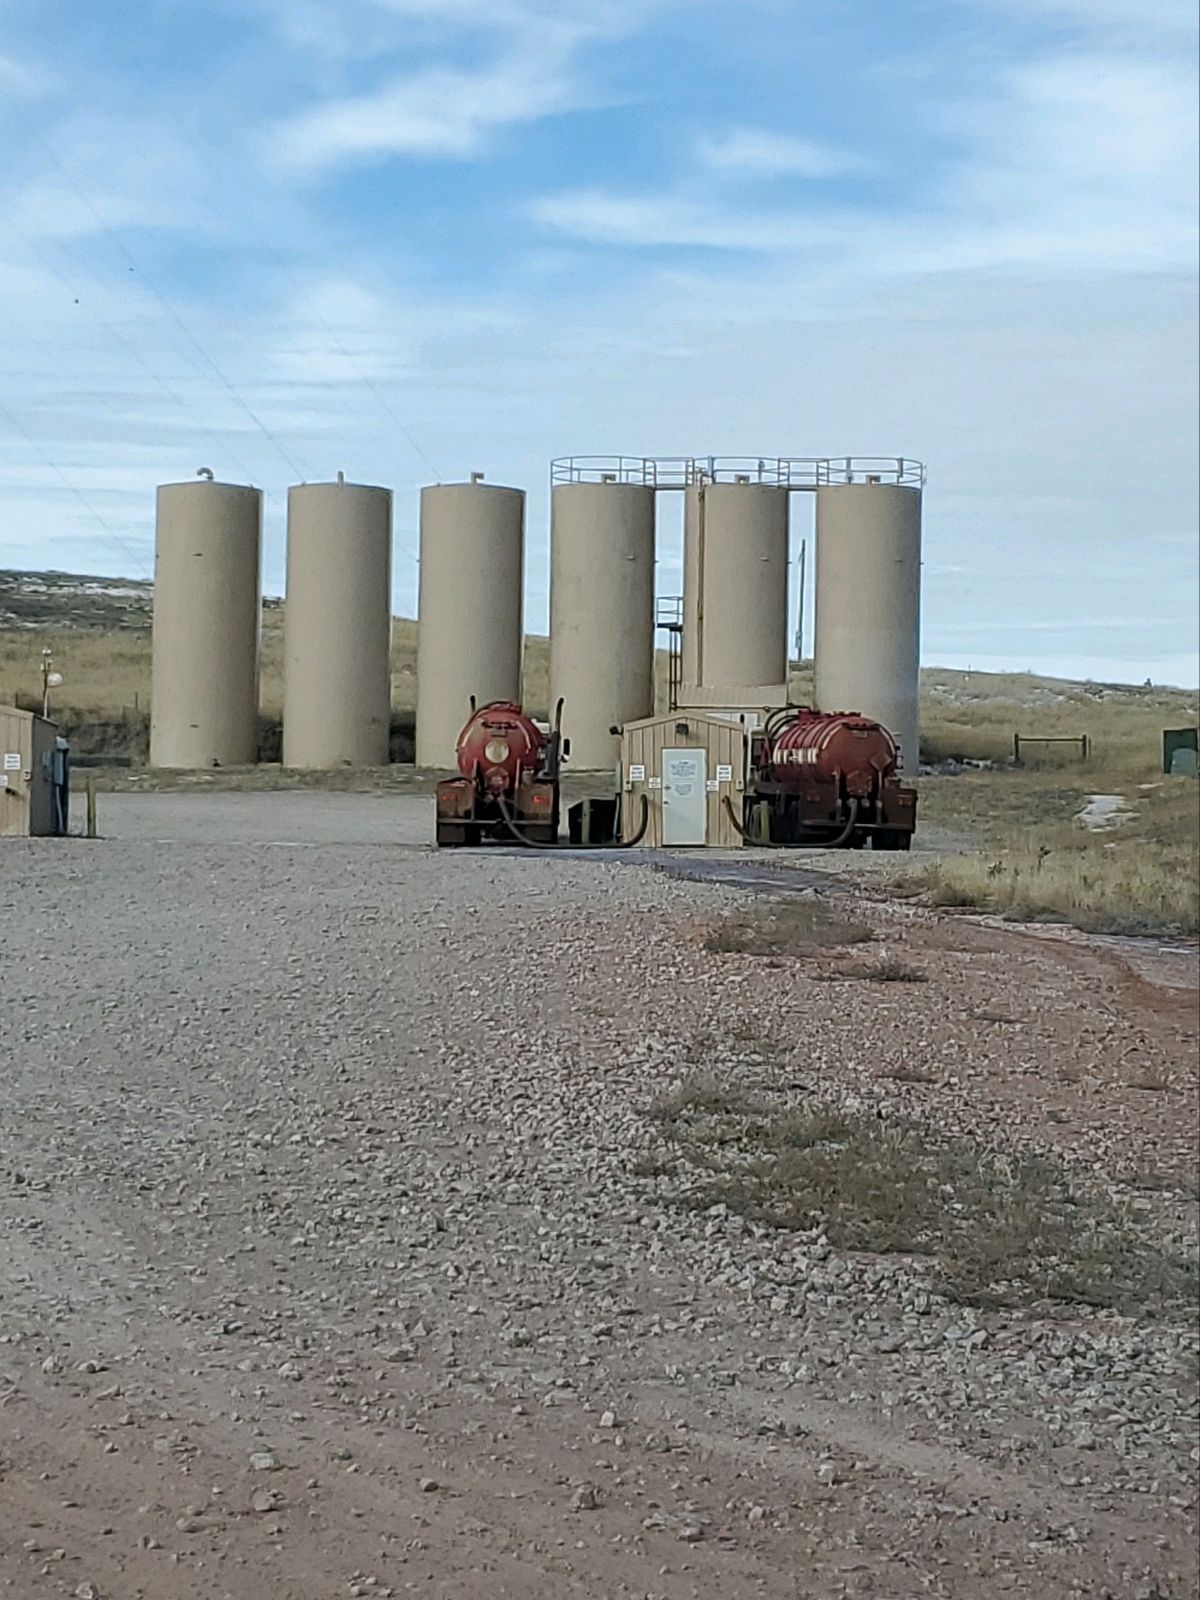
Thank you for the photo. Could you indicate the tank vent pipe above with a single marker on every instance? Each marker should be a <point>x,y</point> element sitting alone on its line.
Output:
<point>477,477</point>
<point>206,473</point>
<point>341,477</point>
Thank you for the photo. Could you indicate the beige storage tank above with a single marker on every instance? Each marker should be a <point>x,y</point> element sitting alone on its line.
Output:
<point>337,626</point>
<point>868,606</point>
<point>207,602</point>
<point>601,614</point>
<point>735,593</point>
<point>470,608</point>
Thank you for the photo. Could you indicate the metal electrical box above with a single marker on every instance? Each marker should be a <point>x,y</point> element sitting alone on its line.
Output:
<point>1179,751</point>
<point>33,776</point>
<point>691,770</point>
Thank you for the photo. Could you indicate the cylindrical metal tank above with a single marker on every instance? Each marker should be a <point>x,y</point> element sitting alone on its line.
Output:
<point>498,745</point>
<point>868,607</point>
<point>735,586</point>
<point>207,599</point>
<point>805,745</point>
<point>469,611</point>
<point>601,614</point>
<point>337,626</point>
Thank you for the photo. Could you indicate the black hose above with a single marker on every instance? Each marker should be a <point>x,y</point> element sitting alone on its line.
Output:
<point>851,819</point>
<point>779,844</point>
<point>778,718</point>
<point>767,844</point>
<point>627,844</point>
<point>514,827</point>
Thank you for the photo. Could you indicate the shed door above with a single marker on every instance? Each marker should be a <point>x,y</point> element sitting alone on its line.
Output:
<point>684,797</point>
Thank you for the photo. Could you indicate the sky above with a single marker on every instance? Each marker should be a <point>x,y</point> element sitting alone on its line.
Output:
<point>412,239</point>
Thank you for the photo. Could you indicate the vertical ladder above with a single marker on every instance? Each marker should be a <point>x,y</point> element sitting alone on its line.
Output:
<point>668,619</point>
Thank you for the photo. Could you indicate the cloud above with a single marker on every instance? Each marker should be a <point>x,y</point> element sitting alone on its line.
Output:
<point>1140,24</point>
<point>450,112</point>
<point>1091,123</point>
<point>530,19</point>
<point>757,152</point>
<point>51,209</point>
<point>1073,165</point>
<point>1079,162</point>
<point>442,112</point>
<point>603,217</point>
<point>109,175</point>
<point>19,81</point>
<point>341,332</point>
<point>345,30</point>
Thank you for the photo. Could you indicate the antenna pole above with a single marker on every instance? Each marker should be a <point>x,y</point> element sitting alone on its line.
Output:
<point>800,610</point>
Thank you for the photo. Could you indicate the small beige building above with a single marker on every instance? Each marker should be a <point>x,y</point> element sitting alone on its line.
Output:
<point>687,765</point>
<point>32,775</point>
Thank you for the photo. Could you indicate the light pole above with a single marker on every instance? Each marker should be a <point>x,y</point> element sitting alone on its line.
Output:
<point>800,607</point>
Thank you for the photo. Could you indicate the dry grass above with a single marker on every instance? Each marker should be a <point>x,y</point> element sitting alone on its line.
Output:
<point>973,716</point>
<point>101,631</point>
<point>107,673</point>
<point>886,970</point>
<point>996,1228</point>
<point>701,1096</point>
<point>908,1072</point>
<point>101,643</point>
<point>1038,862</point>
<point>1152,1077</point>
<point>788,927</point>
<point>1139,878</point>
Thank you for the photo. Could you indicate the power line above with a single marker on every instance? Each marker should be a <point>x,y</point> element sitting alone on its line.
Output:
<point>126,344</point>
<point>303,299</point>
<point>74,488</point>
<point>204,355</point>
<point>293,465</point>
<point>370,384</point>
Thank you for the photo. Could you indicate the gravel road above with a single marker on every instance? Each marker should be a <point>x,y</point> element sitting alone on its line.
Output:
<point>334,1259</point>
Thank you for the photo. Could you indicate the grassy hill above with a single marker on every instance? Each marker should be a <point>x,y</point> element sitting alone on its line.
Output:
<point>98,630</point>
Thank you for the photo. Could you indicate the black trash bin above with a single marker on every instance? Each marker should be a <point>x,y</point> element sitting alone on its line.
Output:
<point>594,820</point>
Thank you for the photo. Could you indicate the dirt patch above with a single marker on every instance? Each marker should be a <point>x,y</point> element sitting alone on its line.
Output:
<point>794,926</point>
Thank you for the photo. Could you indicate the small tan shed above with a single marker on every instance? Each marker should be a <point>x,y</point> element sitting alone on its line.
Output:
<point>686,765</point>
<point>29,759</point>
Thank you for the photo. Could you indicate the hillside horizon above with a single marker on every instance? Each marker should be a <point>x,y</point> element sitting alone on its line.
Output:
<point>37,599</point>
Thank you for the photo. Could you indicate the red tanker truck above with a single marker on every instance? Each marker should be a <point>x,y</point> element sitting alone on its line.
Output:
<point>508,783</point>
<point>827,778</point>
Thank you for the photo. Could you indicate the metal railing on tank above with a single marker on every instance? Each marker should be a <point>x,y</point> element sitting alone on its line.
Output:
<point>808,472</point>
<point>654,472</point>
<point>738,469</point>
<point>785,472</point>
<point>869,469</point>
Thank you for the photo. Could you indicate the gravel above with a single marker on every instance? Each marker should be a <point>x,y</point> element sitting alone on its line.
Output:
<point>325,1160</point>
